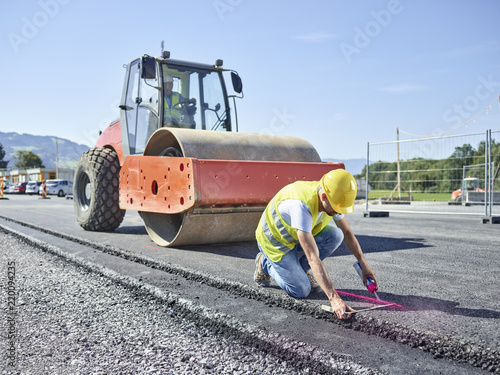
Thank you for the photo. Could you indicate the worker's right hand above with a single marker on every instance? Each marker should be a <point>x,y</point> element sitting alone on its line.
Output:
<point>368,272</point>
<point>339,308</point>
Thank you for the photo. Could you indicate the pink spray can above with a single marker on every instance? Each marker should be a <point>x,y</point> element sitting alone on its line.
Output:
<point>370,285</point>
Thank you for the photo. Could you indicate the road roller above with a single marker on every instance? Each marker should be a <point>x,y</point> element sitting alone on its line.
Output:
<point>176,156</point>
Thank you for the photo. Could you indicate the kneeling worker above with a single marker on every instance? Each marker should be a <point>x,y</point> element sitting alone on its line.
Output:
<point>294,237</point>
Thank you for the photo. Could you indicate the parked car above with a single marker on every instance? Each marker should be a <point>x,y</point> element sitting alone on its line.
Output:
<point>8,188</point>
<point>59,187</point>
<point>33,187</point>
<point>20,187</point>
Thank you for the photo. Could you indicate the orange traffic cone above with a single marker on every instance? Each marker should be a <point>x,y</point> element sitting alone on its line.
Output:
<point>44,190</point>
<point>2,184</point>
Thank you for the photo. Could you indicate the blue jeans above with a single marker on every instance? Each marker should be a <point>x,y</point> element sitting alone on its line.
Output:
<point>290,272</point>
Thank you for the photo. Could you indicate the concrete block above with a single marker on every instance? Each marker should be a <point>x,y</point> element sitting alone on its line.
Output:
<point>376,214</point>
<point>491,219</point>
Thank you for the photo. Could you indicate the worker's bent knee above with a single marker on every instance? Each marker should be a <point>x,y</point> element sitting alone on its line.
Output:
<point>330,236</point>
<point>299,290</point>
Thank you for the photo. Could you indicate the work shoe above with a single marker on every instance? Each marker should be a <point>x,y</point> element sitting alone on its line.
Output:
<point>315,288</point>
<point>260,277</point>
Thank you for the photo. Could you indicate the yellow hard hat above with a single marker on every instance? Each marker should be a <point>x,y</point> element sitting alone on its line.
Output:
<point>340,188</point>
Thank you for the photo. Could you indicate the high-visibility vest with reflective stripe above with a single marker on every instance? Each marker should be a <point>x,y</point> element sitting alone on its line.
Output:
<point>273,234</point>
<point>172,110</point>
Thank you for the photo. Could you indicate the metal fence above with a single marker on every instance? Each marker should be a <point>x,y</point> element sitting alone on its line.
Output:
<point>443,175</point>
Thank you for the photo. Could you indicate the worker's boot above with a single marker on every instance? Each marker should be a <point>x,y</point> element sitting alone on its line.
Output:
<point>260,277</point>
<point>315,288</point>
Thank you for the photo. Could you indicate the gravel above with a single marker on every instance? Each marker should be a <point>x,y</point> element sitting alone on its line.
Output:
<point>69,320</point>
<point>295,354</point>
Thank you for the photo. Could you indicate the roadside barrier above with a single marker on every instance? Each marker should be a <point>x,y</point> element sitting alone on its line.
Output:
<point>1,189</point>
<point>427,175</point>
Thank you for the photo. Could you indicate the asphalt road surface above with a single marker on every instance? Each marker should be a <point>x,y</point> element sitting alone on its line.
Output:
<point>442,269</point>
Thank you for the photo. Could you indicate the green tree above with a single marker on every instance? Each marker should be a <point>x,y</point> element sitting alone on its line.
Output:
<point>3,163</point>
<point>382,175</point>
<point>27,159</point>
<point>495,158</point>
<point>421,175</point>
<point>453,173</point>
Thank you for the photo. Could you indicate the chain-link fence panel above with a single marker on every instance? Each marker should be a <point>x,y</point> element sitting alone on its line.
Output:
<point>442,175</point>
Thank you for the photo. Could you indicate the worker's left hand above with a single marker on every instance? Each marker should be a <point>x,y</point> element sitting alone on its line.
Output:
<point>339,308</point>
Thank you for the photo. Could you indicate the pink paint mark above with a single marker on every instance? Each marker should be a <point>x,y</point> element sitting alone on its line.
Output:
<point>151,247</point>
<point>369,299</point>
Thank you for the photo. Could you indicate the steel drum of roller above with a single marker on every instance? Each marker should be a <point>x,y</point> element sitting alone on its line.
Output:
<point>204,225</point>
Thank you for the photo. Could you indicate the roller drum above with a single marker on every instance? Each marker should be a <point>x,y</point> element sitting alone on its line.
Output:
<point>205,144</point>
<point>204,225</point>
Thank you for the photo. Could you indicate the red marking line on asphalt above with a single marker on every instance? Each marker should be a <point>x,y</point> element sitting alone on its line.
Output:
<point>369,299</point>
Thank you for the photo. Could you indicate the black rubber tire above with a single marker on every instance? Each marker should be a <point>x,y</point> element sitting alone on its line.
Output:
<point>96,190</point>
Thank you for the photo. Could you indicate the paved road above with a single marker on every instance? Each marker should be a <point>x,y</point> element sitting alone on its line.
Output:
<point>442,269</point>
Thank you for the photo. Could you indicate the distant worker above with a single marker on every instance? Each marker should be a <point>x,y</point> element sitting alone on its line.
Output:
<point>294,237</point>
<point>172,113</point>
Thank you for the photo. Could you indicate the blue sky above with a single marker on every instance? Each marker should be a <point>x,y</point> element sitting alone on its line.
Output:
<point>337,73</point>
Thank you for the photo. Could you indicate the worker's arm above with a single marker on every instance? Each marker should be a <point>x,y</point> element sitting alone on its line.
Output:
<point>311,251</point>
<point>352,244</point>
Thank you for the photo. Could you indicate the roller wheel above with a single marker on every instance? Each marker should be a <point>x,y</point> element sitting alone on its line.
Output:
<point>95,190</point>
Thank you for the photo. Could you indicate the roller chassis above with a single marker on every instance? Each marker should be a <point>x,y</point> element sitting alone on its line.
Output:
<point>189,184</point>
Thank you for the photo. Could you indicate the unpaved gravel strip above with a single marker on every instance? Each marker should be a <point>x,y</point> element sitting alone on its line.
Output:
<point>89,319</point>
<point>459,350</point>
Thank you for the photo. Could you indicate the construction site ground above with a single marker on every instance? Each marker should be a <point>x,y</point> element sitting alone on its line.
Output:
<point>443,270</point>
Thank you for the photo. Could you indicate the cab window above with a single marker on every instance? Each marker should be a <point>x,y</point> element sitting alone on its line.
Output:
<point>193,98</point>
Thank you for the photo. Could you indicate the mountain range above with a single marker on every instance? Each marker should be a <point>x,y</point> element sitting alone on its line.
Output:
<point>44,146</point>
<point>69,152</point>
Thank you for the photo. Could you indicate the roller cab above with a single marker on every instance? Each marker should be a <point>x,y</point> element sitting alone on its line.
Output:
<point>163,92</point>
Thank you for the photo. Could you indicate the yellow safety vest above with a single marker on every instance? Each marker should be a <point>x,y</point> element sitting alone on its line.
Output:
<point>172,110</point>
<point>273,234</point>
